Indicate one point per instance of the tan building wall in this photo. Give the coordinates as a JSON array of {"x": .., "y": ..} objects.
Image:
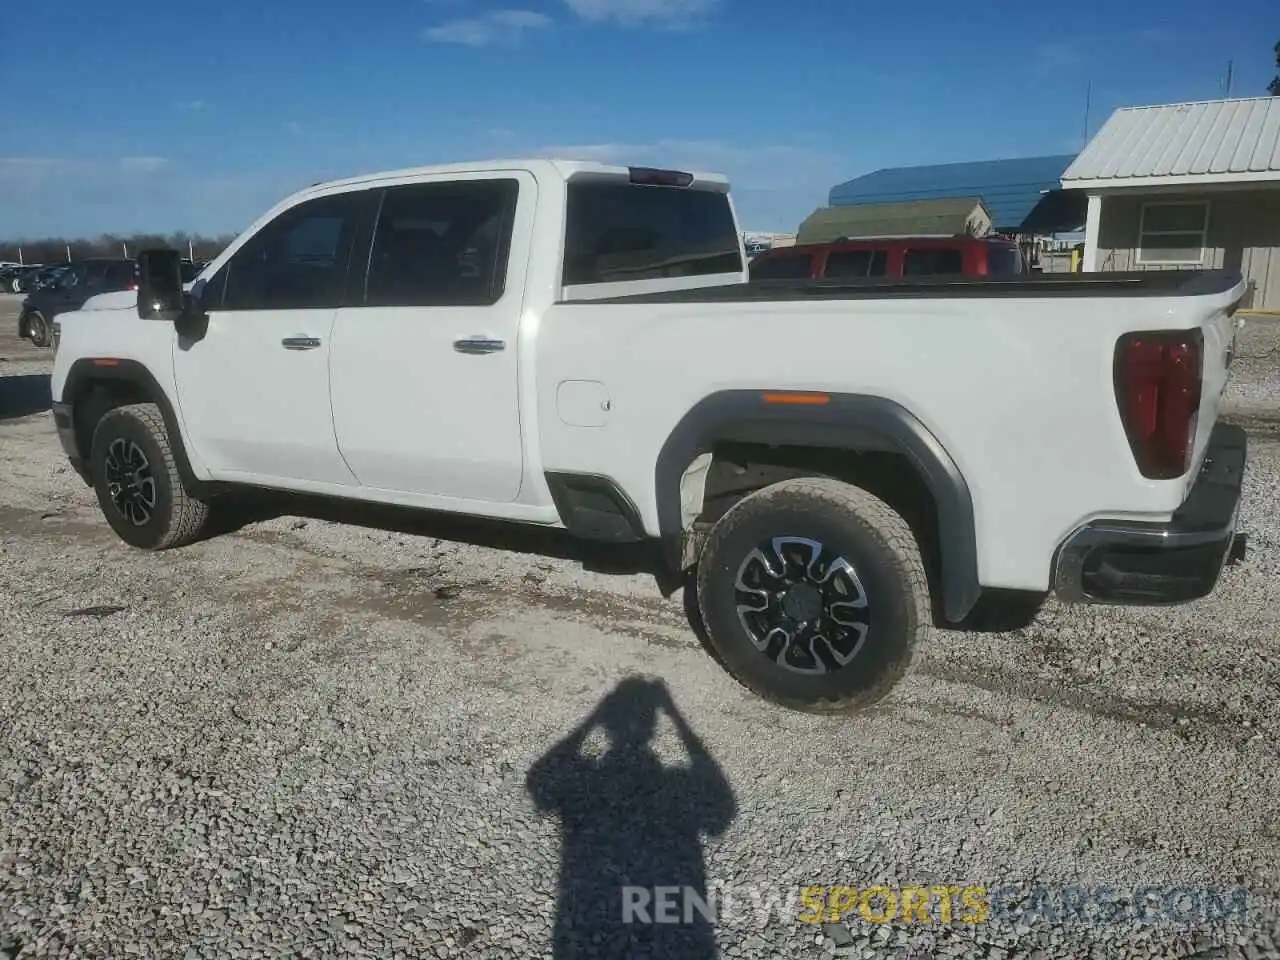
[{"x": 1242, "y": 233}]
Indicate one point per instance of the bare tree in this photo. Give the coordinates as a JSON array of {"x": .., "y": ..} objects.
[
  {"x": 1274, "y": 89},
  {"x": 50, "y": 250}
]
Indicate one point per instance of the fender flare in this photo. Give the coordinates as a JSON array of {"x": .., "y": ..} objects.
[
  {"x": 87, "y": 371},
  {"x": 840, "y": 422}
]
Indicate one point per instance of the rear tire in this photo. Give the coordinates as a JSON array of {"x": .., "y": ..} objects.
[
  {"x": 38, "y": 328},
  {"x": 136, "y": 478},
  {"x": 814, "y": 596}
]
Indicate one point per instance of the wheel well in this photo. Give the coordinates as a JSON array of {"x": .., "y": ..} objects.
[
  {"x": 93, "y": 398},
  {"x": 737, "y": 469}
]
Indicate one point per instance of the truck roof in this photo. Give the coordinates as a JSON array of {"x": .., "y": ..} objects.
[{"x": 557, "y": 167}]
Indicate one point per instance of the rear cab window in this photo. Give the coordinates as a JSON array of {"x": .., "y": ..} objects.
[
  {"x": 932, "y": 260},
  {"x": 782, "y": 266},
  {"x": 618, "y": 231},
  {"x": 1003, "y": 260},
  {"x": 851, "y": 264}
]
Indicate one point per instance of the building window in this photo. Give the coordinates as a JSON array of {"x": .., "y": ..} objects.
[{"x": 1173, "y": 233}]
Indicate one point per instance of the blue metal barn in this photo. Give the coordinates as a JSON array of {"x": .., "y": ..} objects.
[{"x": 1024, "y": 195}]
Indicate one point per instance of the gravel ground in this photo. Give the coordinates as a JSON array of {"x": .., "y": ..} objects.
[{"x": 308, "y": 738}]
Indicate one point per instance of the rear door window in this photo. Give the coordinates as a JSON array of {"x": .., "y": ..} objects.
[
  {"x": 1003, "y": 260},
  {"x": 617, "y": 232},
  {"x": 945, "y": 260},
  {"x": 782, "y": 266},
  {"x": 442, "y": 244},
  {"x": 120, "y": 276},
  {"x": 851, "y": 264}
]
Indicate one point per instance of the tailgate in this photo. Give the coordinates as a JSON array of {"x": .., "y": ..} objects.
[{"x": 1220, "y": 328}]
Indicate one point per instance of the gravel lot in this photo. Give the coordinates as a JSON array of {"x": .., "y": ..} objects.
[{"x": 310, "y": 738}]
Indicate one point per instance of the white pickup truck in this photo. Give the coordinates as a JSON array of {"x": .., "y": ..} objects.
[{"x": 833, "y": 464}]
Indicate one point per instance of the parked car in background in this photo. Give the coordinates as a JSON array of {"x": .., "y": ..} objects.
[
  {"x": 892, "y": 257},
  {"x": 11, "y": 275},
  {"x": 35, "y": 279},
  {"x": 15, "y": 276},
  {"x": 74, "y": 283}
]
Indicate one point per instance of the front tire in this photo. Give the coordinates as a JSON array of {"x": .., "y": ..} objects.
[
  {"x": 135, "y": 476},
  {"x": 814, "y": 596},
  {"x": 38, "y": 328}
]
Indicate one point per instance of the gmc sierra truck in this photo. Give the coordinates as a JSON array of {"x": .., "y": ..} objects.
[{"x": 831, "y": 464}]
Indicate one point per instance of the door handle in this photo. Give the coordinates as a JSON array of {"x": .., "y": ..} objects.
[
  {"x": 479, "y": 344},
  {"x": 300, "y": 343}
]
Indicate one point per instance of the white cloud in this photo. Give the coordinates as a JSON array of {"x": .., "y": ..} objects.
[
  {"x": 35, "y": 170},
  {"x": 17, "y": 165},
  {"x": 671, "y": 13},
  {"x": 143, "y": 164},
  {"x": 1057, "y": 57},
  {"x": 494, "y": 27}
]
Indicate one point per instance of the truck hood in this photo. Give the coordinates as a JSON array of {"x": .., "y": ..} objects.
[{"x": 117, "y": 300}]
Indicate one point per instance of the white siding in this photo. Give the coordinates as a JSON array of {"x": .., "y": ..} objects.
[{"x": 1243, "y": 234}]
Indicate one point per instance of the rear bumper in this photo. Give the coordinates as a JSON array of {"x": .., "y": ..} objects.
[
  {"x": 1128, "y": 562},
  {"x": 67, "y": 437}
]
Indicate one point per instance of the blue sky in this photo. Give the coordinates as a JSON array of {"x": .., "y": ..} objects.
[{"x": 150, "y": 115}]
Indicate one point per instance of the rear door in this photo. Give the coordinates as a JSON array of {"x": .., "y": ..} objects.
[
  {"x": 120, "y": 275},
  {"x": 1001, "y": 259},
  {"x": 425, "y": 376}
]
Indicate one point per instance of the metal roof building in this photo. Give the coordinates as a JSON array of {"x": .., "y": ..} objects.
[
  {"x": 1186, "y": 185},
  {"x": 914, "y": 218},
  {"x": 1023, "y": 195},
  {"x": 1219, "y": 141}
]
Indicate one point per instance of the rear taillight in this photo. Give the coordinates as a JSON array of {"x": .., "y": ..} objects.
[{"x": 1157, "y": 381}]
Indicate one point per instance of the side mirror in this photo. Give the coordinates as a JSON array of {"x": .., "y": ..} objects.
[{"x": 160, "y": 295}]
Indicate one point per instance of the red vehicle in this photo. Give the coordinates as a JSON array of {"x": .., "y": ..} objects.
[{"x": 891, "y": 257}]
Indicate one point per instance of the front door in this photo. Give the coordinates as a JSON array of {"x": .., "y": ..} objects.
[
  {"x": 425, "y": 375},
  {"x": 253, "y": 384},
  {"x": 67, "y": 293}
]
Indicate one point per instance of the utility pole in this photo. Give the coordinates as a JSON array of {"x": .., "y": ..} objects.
[
  {"x": 1088, "y": 101},
  {"x": 1227, "y": 84}
]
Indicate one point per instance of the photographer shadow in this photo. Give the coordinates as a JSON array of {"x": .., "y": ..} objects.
[{"x": 632, "y": 878}]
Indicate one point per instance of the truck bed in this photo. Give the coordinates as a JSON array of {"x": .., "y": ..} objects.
[{"x": 1140, "y": 283}]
